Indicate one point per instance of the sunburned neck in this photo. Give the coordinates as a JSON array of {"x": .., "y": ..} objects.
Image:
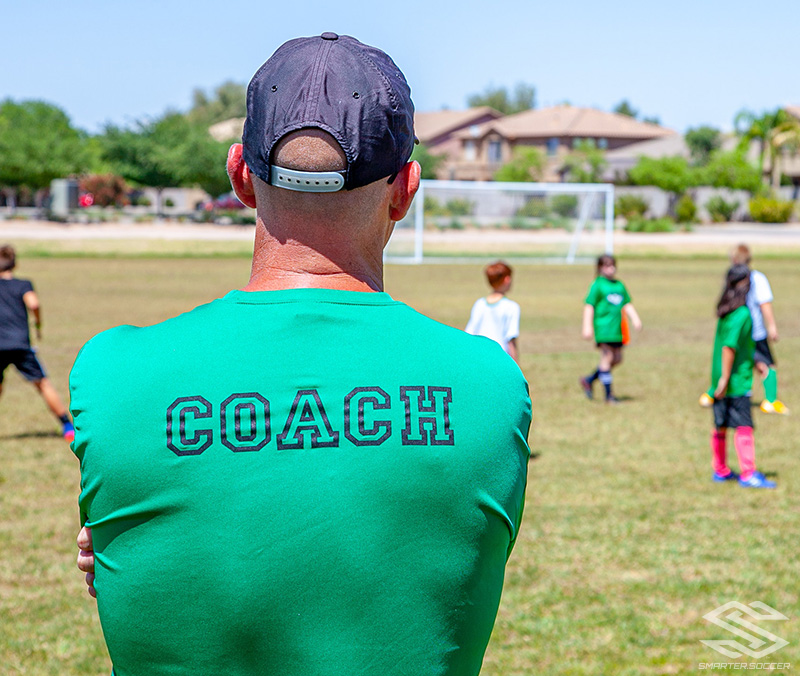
[{"x": 288, "y": 264}]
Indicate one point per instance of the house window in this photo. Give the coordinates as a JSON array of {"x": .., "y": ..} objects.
[
  {"x": 576, "y": 141},
  {"x": 495, "y": 152},
  {"x": 470, "y": 151},
  {"x": 602, "y": 143},
  {"x": 552, "y": 146}
]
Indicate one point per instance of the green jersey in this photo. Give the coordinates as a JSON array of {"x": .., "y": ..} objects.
[
  {"x": 306, "y": 482},
  {"x": 735, "y": 330},
  {"x": 607, "y": 297}
]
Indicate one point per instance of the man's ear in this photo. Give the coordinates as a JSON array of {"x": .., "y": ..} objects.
[
  {"x": 239, "y": 174},
  {"x": 404, "y": 187}
]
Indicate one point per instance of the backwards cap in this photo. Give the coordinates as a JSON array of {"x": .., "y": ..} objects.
[{"x": 337, "y": 84}]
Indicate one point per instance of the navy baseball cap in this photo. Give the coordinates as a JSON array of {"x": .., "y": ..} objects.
[{"x": 337, "y": 84}]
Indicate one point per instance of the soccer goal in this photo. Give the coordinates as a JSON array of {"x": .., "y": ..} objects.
[{"x": 460, "y": 221}]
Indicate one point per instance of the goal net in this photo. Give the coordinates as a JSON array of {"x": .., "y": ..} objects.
[{"x": 459, "y": 221}]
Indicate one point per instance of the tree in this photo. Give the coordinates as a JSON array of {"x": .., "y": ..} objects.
[
  {"x": 672, "y": 174},
  {"x": 783, "y": 138},
  {"x": 527, "y": 164},
  {"x": 585, "y": 164},
  {"x": 702, "y": 141},
  {"x": 168, "y": 152},
  {"x": 37, "y": 144},
  {"x": 752, "y": 127},
  {"x": 427, "y": 160},
  {"x": 499, "y": 98},
  {"x": 625, "y": 108},
  {"x": 227, "y": 101},
  {"x": 730, "y": 170}
]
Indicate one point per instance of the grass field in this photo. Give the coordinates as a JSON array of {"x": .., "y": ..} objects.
[{"x": 625, "y": 544}]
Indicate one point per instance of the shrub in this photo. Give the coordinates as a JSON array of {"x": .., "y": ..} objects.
[
  {"x": 720, "y": 210},
  {"x": 685, "y": 210},
  {"x": 631, "y": 206},
  {"x": 565, "y": 205},
  {"x": 650, "y": 225},
  {"x": 169, "y": 202},
  {"x": 535, "y": 207},
  {"x": 432, "y": 207},
  {"x": 769, "y": 210},
  {"x": 106, "y": 189},
  {"x": 459, "y": 207}
]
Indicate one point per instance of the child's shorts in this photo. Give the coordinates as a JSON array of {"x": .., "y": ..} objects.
[
  {"x": 762, "y": 353},
  {"x": 25, "y": 361},
  {"x": 732, "y": 412}
]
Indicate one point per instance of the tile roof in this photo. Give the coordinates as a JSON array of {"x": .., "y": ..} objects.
[
  {"x": 570, "y": 121},
  {"x": 430, "y": 125}
]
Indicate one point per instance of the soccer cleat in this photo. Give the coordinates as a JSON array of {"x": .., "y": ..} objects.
[
  {"x": 705, "y": 400},
  {"x": 69, "y": 432},
  {"x": 587, "y": 388},
  {"x": 727, "y": 477},
  {"x": 612, "y": 400},
  {"x": 776, "y": 406},
  {"x": 756, "y": 480}
]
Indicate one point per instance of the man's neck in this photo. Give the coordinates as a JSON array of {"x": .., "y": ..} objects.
[{"x": 287, "y": 264}]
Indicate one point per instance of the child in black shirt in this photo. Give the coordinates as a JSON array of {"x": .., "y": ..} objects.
[{"x": 17, "y": 298}]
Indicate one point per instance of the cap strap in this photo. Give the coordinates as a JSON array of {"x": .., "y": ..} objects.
[{"x": 307, "y": 181}]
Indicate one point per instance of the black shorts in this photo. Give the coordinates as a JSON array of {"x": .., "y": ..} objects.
[
  {"x": 732, "y": 412},
  {"x": 610, "y": 344},
  {"x": 25, "y": 361},
  {"x": 763, "y": 354}
]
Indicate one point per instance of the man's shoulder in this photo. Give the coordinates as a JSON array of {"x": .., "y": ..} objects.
[{"x": 127, "y": 336}]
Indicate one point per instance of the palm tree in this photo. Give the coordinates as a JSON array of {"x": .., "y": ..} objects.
[
  {"x": 783, "y": 138},
  {"x": 752, "y": 127}
]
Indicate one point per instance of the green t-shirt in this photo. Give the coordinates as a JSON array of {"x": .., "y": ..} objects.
[
  {"x": 608, "y": 297},
  {"x": 735, "y": 330},
  {"x": 306, "y": 482}
]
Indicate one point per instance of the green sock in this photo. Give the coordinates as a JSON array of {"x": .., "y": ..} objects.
[{"x": 771, "y": 385}]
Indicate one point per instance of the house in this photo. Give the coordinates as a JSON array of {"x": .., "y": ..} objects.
[{"x": 475, "y": 152}]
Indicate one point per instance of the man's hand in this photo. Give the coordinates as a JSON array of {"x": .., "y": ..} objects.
[{"x": 86, "y": 558}]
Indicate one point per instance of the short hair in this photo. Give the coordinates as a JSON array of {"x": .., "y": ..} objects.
[
  {"x": 741, "y": 255},
  {"x": 8, "y": 258},
  {"x": 496, "y": 273},
  {"x": 605, "y": 259}
]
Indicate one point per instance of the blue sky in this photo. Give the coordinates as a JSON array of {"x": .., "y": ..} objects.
[{"x": 689, "y": 63}]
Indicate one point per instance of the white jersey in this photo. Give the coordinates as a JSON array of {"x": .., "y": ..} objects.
[
  {"x": 760, "y": 293},
  {"x": 498, "y": 321}
]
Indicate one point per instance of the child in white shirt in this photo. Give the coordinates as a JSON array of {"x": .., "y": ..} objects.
[{"x": 495, "y": 316}]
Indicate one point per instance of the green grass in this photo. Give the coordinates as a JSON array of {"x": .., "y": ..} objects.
[{"x": 625, "y": 544}]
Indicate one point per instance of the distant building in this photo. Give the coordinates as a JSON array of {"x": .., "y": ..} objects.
[{"x": 476, "y": 150}]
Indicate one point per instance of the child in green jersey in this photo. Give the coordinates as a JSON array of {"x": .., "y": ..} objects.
[
  {"x": 732, "y": 382},
  {"x": 602, "y": 319}
]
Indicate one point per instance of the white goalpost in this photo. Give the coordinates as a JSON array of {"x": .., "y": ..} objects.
[{"x": 459, "y": 221}]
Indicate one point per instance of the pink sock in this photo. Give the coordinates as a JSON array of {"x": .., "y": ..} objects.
[
  {"x": 746, "y": 450},
  {"x": 718, "y": 453}
]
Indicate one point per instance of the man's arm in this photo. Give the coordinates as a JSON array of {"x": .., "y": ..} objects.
[
  {"x": 769, "y": 321},
  {"x": 728, "y": 353},
  {"x": 86, "y": 558},
  {"x": 31, "y": 301}
]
